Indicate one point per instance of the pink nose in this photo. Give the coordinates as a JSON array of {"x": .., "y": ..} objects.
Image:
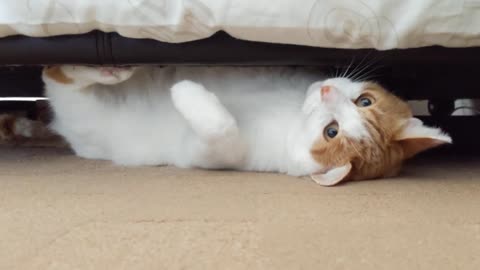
[{"x": 325, "y": 90}]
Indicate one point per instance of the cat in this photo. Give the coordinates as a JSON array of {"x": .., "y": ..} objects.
[{"x": 278, "y": 119}]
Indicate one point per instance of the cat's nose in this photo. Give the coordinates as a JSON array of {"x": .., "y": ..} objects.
[
  {"x": 326, "y": 91},
  {"x": 331, "y": 94}
]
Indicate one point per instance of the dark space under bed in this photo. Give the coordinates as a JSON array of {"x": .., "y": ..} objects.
[{"x": 437, "y": 74}]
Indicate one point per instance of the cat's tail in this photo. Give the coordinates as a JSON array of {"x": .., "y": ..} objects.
[{"x": 14, "y": 128}]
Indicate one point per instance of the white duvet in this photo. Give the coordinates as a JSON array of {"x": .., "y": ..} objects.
[{"x": 381, "y": 24}]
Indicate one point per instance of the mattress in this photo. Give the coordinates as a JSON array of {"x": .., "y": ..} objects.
[{"x": 380, "y": 24}]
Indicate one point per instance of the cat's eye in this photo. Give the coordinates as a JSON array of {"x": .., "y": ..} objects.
[
  {"x": 364, "y": 101},
  {"x": 331, "y": 131}
]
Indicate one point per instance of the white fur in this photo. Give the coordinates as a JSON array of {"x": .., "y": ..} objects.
[
  {"x": 256, "y": 119},
  {"x": 23, "y": 127}
]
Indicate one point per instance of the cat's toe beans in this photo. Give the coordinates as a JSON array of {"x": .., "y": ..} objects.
[
  {"x": 111, "y": 75},
  {"x": 112, "y": 71},
  {"x": 102, "y": 75},
  {"x": 106, "y": 72}
]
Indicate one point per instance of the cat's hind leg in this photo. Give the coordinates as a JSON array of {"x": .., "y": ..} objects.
[
  {"x": 83, "y": 76},
  {"x": 80, "y": 115},
  {"x": 217, "y": 142},
  {"x": 71, "y": 89}
]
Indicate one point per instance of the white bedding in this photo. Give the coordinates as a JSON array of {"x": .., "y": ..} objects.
[{"x": 381, "y": 24}]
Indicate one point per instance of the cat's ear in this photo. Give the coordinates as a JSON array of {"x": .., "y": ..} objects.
[
  {"x": 333, "y": 176},
  {"x": 415, "y": 137}
]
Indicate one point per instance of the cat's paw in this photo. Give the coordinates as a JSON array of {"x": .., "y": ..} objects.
[
  {"x": 203, "y": 110},
  {"x": 14, "y": 128},
  {"x": 101, "y": 75},
  {"x": 113, "y": 75},
  {"x": 186, "y": 92}
]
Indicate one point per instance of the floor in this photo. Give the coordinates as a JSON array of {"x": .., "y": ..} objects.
[{"x": 61, "y": 212}]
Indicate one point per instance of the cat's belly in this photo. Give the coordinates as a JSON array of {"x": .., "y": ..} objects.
[
  {"x": 126, "y": 138},
  {"x": 168, "y": 141}
]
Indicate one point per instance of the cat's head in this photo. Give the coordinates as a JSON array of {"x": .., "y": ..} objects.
[{"x": 365, "y": 131}]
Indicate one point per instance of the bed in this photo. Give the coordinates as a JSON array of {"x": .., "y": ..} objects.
[{"x": 349, "y": 24}]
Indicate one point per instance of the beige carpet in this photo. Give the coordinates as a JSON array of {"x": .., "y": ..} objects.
[{"x": 61, "y": 212}]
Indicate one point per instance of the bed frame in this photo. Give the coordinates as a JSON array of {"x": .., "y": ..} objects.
[{"x": 437, "y": 74}]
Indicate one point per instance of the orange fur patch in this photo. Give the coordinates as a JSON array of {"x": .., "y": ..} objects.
[
  {"x": 56, "y": 73},
  {"x": 381, "y": 156}
]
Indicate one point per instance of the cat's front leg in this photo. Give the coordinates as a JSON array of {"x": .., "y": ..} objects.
[
  {"x": 216, "y": 142},
  {"x": 83, "y": 76},
  {"x": 203, "y": 110}
]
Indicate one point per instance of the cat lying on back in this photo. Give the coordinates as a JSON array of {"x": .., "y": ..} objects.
[{"x": 283, "y": 120}]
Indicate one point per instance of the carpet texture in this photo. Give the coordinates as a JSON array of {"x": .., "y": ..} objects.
[{"x": 61, "y": 212}]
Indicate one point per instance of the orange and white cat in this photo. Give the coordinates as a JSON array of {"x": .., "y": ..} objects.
[{"x": 283, "y": 120}]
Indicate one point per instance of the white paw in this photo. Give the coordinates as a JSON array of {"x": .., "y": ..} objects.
[
  {"x": 188, "y": 90},
  {"x": 102, "y": 75},
  {"x": 202, "y": 109}
]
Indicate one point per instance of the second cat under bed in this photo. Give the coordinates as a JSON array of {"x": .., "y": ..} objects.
[{"x": 286, "y": 120}]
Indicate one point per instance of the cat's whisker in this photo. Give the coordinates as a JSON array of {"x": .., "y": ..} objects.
[
  {"x": 336, "y": 72},
  {"x": 372, "y": 61},
  {"x": 332, "y": 72},
  {"x": 369, "y": 77},
  {"x": 349, "y": 66},
  {"x": 359, "y": 154},
  {"x": 368, "y": 65},
  {"x": 353, "y": 70},
  {"x": 359, "y": 72},
  {"x": 359, "y": 66},
  {"x": 370, "y": 74}
]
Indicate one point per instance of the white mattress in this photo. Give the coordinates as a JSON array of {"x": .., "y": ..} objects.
[{"x": 381, "y": 24}]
